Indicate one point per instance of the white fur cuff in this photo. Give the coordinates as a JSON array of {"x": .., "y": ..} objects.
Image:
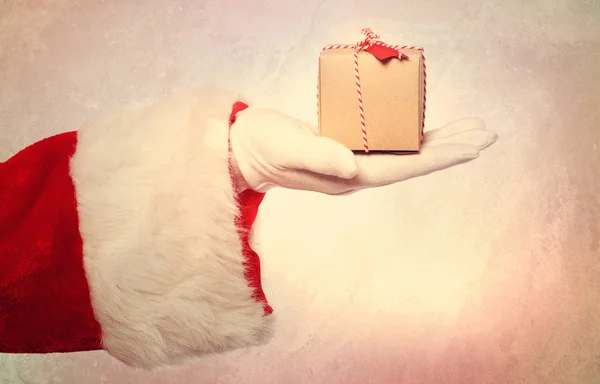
[{"x": 161, "y": 249}]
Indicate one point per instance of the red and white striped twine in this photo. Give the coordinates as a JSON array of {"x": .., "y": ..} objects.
[{"x": 371, "y": 39}]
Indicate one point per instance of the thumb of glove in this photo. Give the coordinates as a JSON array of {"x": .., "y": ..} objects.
[{"x": 323, "y": 156}]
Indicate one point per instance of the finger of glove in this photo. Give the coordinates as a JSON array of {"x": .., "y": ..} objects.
[
  {"x": 321, "y": 155},
  {"x": 379, "y": 170},
  {"x": 305, "y": 180},
  {"x": 387, "y": 169},
  {"x": 457, "y": 127},
  {"x": 475, "y": 137}
]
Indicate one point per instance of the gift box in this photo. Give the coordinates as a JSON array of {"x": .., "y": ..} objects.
[{"x": 371, "y": 95}]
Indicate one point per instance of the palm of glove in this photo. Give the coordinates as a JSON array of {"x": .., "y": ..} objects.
[{"x": 272, "y": 149}]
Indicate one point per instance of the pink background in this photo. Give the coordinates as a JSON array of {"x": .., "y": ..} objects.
[{"x": 486, "y": 273}]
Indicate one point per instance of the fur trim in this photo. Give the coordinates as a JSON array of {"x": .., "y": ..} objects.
[{"x": 161, "y": 250}]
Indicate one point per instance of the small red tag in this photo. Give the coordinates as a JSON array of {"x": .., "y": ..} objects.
[{"x": 384, "y": 53}]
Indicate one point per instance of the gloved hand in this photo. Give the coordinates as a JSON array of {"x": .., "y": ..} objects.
[{"x": 272, "y": 149}]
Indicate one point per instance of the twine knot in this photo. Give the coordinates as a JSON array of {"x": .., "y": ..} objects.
[{"x": 370, "y": 39}]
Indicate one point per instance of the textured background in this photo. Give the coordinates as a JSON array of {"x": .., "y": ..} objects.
[{"x": 486, "y": 273}]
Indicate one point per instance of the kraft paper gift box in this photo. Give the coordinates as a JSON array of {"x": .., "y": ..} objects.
[{"x": 391, "y": 84}]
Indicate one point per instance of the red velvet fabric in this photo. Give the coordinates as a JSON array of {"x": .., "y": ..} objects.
[
  {"x": 249, "y": 201},
  {"x": 44, "y": 296}
]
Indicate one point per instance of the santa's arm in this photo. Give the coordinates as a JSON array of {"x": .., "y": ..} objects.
[{"x": 130, "y": 236}]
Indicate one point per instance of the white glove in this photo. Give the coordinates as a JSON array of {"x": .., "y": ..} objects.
[{"x": 272, "y": 149}]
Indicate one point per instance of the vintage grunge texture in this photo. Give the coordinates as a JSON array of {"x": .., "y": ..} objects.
[{"x": 486, "y": 273}]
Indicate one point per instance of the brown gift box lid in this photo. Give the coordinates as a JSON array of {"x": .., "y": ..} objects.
[{"x": 393, "y": 100}]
